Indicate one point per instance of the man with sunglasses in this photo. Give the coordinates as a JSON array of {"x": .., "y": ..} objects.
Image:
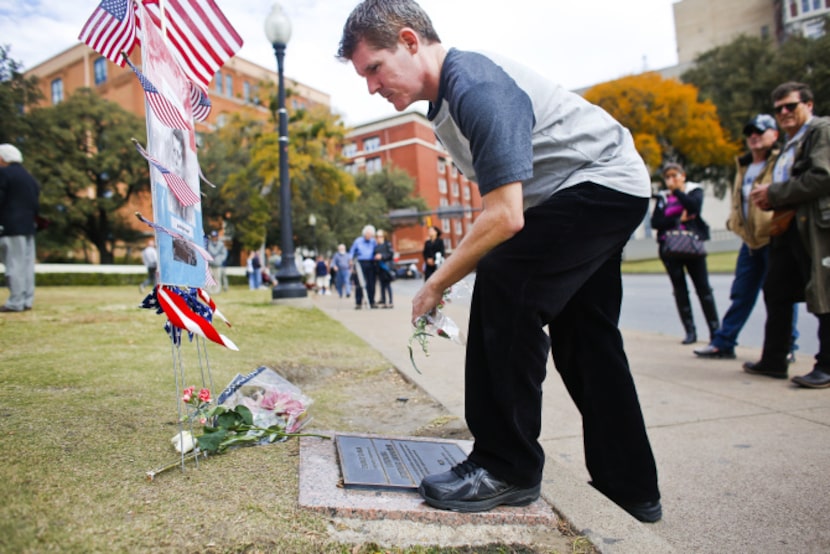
[
  {"x": 799, "y": 267},
  {"x": 752, "y": 224}
]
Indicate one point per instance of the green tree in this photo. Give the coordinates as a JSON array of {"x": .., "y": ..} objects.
[
  {"x": 669, "y": 122},
  {"x": 17, "y": 93},
  {"x": 738, "y": 77},
  {"x": 80, "y": 151}
]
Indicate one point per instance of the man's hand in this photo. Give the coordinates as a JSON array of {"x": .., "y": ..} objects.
[
  {"x": 760, "y": 197},
  {"x": 425, "y": 301}
]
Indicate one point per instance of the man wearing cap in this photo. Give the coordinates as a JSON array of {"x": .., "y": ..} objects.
[
  {"x": 216, "y": 248},
  {"x": 19, "y": 205},
  {"x": 799, "y": 265},
  {"x": 752, "y": 224}
]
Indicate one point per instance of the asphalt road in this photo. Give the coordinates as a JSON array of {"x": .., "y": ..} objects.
[{"x": 648, "y": 306}]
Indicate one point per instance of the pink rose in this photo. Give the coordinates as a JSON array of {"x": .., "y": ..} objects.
[
  {"x": 187, "y": 394},
  {"x": 204, "y": 395}
]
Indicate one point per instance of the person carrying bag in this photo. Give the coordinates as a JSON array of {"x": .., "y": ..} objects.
[{"x": 681, "y": 232}]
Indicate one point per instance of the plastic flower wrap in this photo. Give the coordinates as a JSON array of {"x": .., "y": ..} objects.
[{"x": 437, "y": 323}]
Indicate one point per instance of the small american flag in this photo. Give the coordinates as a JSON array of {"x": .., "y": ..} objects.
[
  {"x": 201, "y": 37},
  {"x": 200, "y": 102},
  {"x": 178, "y": 186},
  {"x": 165, "y": 111},
  {"x": 111, "y": 29}
]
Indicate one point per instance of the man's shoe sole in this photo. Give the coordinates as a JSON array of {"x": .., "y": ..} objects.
[
  {"x": 510, "y": 497},
  {"x": 716, "y": 355},
  {"x": 773, "y": 374}
]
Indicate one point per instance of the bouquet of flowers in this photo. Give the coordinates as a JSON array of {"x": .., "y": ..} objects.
[{"x": 259, "y": 408}]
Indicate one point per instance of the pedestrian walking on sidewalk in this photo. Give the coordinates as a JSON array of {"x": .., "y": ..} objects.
[
  {"x": 150, "y": 259},
  {"x": 563, "y": 190},
  {"x": 800, "y": 246},
  {"x": 752, "y": 225}
]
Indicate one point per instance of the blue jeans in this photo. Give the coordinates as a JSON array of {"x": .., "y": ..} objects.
[{"x": 750, "y": 273}]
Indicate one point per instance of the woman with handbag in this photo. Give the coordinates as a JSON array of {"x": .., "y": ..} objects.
[{"x": 680, "y": 234}]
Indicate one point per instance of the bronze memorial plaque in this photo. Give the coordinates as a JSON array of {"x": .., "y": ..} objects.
[{"x": 395, "y": 463}]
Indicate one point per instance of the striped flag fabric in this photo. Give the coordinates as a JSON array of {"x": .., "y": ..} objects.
[
  {"x": 111, "y": 29},
  {"x": 165, "y": 111},
  {"x": 201, "y": 37},
  {"x": 178, "y": 186},
  {"x": 180, "y": 315},
  {"x": 200, "y": 102}
]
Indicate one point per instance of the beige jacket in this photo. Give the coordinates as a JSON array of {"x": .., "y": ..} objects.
[{"x": 753, "y": 229}]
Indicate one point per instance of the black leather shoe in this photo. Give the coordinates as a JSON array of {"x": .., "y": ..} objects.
[
  {"x": 710, "y": 351},
  {"x": 758, "y": 368},
  {"x": 690, "y": 338},
  {"x": 647, "y": 512},
  {"x": 816, "y": 379},
  {"x": 470, "y": 488}
]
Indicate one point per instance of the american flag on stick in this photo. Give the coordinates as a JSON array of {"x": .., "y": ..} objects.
[
  {"x": 178, "y": 186},
  {"x": 111, "y": 29},
  {"x": 165, "y": 111},
  {"x": 200, "y": 102},
  {"x": 201, "y": 37}
]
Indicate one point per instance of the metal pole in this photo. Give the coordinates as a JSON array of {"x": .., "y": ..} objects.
[{"x": 289, "y": 281}]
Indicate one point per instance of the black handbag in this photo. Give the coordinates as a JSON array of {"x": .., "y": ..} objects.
[{"x": 681, "y": 245}]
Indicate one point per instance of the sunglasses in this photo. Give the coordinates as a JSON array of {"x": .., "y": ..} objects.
[
  {"x": 791, "y": 106},
  {"x": 754, "y": 131}
]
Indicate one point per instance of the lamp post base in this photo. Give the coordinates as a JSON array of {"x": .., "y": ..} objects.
[{"x": 289, "y": 288}]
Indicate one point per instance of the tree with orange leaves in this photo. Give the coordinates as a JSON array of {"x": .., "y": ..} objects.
[{"x": 669, "y": 123}]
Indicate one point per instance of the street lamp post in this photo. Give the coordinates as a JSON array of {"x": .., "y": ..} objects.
[{"x": 289, "y": 281}]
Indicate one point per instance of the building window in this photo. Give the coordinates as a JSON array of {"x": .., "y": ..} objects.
[
  {"x": 442, "y": 185},
  {"x": 57, "y": 91},
  {"x": 459, "y": 227},
  {"x": 373, "y": 165},
  {"x": 100, "y": 70},
  {"x": 454, "y": 170},
  {"x": 442, "y": 165},
  {"x": 217, "y": 80},
  {"x": 468, "y": 211},
  {"x": 371, "y": 144},
  {"x": 246, "y": 91},
  {"x": 455, "y": 189},
  {"x": 445, "y": 225},
  {"x": 350, "y": 150},
  {"x": 466, "y": 192},
  {"x": 221, "y": 120},
  {"x": 228, "y": 84}
]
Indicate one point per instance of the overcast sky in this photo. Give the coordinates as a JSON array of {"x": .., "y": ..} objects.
[{"x": 575, "y": 43}]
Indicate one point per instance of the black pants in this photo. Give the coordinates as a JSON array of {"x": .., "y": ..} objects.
[
  {"x": 787, "y": 277},
  {"x": 368, "y": 268},
  {"x": 562, "y": 270}
]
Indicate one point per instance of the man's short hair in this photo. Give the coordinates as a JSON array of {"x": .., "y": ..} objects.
[
  {"x": 378, "y": 22},
  {"x": 10, "y": 154},
  {"x": 783, "y": 90},
  {"x": 673, "y": 165}
]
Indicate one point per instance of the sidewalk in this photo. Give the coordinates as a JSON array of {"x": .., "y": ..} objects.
[{"x": 743, "y": 460}]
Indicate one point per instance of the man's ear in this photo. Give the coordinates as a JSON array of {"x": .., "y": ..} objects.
[{"x": 409, "y": 39}]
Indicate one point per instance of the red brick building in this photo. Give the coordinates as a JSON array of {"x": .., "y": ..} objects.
[{"x": 406, "y": 141}]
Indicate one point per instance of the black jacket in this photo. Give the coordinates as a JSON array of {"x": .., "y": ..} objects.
[
  {"x": 19, "y": 205},
  {"x": 692, "y": 202}
]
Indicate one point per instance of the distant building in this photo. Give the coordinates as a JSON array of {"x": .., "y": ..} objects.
[
  {"x": 407, "y": 141},
  {"x": 701, "y": 25}
]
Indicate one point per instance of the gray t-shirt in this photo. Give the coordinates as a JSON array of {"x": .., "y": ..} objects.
[{"x": 502, "y": 123}]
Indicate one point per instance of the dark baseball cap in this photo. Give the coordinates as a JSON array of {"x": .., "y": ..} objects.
[{"x": 762, "y": 122}]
